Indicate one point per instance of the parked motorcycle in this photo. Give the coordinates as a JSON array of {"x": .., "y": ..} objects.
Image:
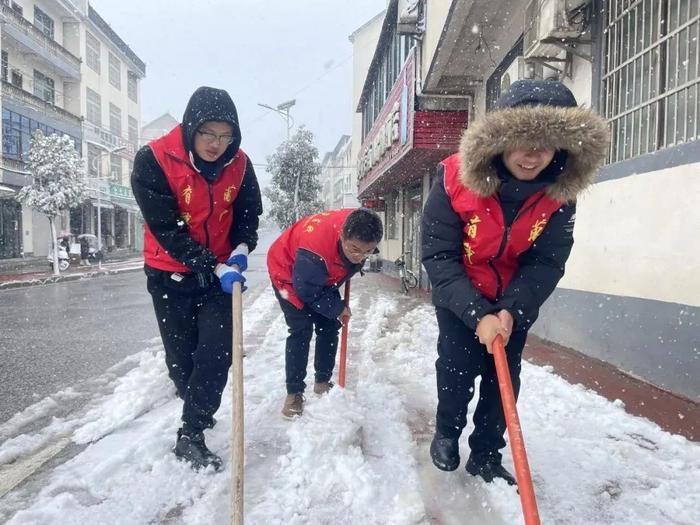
[{"x": 63, "y": 259}]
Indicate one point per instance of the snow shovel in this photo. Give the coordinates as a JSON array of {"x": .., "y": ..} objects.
[
  {"x": 515, "y": 435},
  {"x": 237, "y": 447},
  {"x": 344, "y": 339}
]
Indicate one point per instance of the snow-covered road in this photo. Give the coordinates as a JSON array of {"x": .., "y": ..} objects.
[{"x": 357, "y": 456}]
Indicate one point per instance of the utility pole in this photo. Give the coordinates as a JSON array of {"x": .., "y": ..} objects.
[{"x": 96, "y": 164}]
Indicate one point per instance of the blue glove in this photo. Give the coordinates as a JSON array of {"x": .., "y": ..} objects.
[
  {"x": 239, "y": 260},
  {"x": 239, "y": 257},
  {"x": 228, "y": 276}
]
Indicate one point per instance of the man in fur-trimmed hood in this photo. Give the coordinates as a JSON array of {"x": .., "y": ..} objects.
[{"x": 497, "y": 231}]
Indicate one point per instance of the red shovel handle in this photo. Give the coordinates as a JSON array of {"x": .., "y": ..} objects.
[
  {"x": 344, "y": 339},
  {"x": 517, "y": 443}
]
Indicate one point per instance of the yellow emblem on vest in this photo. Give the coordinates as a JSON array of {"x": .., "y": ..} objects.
[
  {"x": 227, "y": 193},
  {"x": 187, "y": 194},
  {"x": 537, "y": 229},
  {"x": 468, "y": 251},
  {"x": 221, "y": 215},
  {"x": 309, "y": 228},
  {"x": 471, "y": 231},
  {"x": 186, "y": 217}
]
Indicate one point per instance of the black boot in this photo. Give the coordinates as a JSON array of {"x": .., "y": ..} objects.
[
  {"x": 191, "y": 448},
  {"x": 489, "y": 470},
  {"x": 445, "y": 452}
]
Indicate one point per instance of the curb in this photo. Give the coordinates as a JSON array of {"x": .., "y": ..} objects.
[{"x": 65, "y": 278}]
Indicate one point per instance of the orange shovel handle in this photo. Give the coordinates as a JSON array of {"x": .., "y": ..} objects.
[{"x": 517, "y": 443}]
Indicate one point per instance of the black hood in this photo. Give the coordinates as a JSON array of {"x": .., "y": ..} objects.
[{"x": 207, "y": 104}]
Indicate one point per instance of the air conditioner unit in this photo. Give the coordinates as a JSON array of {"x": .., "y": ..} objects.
[
  {"x": 520, "y": 69},
  {"x": 546, "y": 20}
]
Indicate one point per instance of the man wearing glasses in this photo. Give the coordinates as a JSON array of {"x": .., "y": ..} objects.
[
  {"x": 307, "y": 264},
  {"x": 200, "y": 200}
]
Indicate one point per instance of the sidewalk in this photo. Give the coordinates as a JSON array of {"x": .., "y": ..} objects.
[
  {"x": 34, "y": 271},
  {"x": 675, "y": 414}
]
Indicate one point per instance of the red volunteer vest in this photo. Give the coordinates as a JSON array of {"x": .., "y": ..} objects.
[
  {"x": 490, "y": 250},
  {"x": 206, "y": 209},
  {"x": 318, "y": 234}
]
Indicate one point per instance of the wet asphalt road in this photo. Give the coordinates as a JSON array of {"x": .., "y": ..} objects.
[{"x": 53, "y": 336}]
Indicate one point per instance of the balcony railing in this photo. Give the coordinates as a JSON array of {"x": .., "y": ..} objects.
[
  {"x": 52, "y": 47},
  {"x": 94, "y": 133},
  {"x": 39, "y": 104}
]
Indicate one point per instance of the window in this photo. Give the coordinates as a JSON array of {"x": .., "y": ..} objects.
[
  {"x": 16, "y": 78},
  {"x": 651, "y": 76},
  {"x": 94, "y": 107},
  {"x": 132, "y": 86},
  {"x": 115, "y": 120},
  {"x": 133, "y": 131},
  {"x": 92, "y": 52},
  {"x": 384, "y": 78},
  {"x": 5, "y": 66},
  {"x": 115, "y": 71},
  {"x": 16, "y": 134},
  {"x": 94, "y": 158},
  {"x": 44, "y": 87},
  {"x": 17, "y": 8},
  {"x": 43, "y": 22},
  {"x": 115, "y": 167}
]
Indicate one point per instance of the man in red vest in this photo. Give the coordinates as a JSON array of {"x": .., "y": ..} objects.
[
  {"x": 308, "y": 263},
  {"x": 497, "y": 231},
  {"x": 200, "y": 200}
]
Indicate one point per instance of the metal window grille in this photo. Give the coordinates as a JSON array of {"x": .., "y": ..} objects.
[
  {"x": 651, "y": 80},
  {"x": 94, "y": 107},
  {"x": 115, "y": 120},
  {"x": 43, "y": 22},
  {"x": 131, "y": 86},
  {"x": 92, "y": 52},
  {"x": 115, "y": 71}
]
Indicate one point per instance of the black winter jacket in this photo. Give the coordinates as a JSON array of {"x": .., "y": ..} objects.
[
  {"x": 532, "y": 114},
  {"x": 159, "y": 206}
]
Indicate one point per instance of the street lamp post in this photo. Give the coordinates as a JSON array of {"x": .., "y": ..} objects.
[
  {"x": 283, "y": 111},
  {"x": 98, "y": 179}
]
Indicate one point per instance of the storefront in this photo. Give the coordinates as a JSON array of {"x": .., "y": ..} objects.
[{"x": 399, "y": 157}]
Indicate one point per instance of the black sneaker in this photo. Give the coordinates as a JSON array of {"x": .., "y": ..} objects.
[
  {"x": 445, "y": 452},
  {"x": 191, "y": 448},
  {"x": 489, "y": 470}
]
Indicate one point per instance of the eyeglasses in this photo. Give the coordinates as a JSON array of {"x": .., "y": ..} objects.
[
  {"x": 356, "y": 251},
  {"x": 210, "y": 138}
]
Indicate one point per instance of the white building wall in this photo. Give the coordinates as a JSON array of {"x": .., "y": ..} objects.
[{"x": 637, "y": 237}]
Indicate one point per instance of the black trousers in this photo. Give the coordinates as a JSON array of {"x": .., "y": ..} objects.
[
  {"x": 301, "y": 325},
  {"x": 195, "y": 326},
  {"x": 461, "y": 359}
]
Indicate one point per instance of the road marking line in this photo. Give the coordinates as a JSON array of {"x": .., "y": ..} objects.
[{"x": 15, "y": 473}]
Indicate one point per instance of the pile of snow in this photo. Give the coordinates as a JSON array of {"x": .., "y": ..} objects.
[{"x": 358, "y": 455}]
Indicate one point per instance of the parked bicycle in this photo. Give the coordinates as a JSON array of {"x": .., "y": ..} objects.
[{"x": 408, "y": 278}]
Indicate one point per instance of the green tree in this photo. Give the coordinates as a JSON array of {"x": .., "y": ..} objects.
[{"x": 295, "y": 188}]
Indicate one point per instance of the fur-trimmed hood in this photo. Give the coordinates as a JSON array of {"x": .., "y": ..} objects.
[{"x": 579, "y": 131}]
